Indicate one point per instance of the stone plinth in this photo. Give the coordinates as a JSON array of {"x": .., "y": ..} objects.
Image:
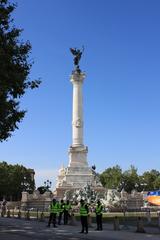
[
  {"x": 36, "y": 200},
  {"x": 78, "y": 156}
]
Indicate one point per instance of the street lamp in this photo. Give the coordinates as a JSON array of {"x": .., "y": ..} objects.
[
  {"x": 47, "y": 184},
  {"x": 124, "y": 208},
  {"x": 24, "y": 184},
  {"x": 136, "y": 186}
]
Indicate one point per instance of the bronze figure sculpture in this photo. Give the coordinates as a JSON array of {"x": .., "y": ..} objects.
[{"x": 77, "y": 53}]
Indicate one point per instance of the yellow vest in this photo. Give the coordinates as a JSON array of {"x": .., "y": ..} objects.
[{"x": 83, "y": 210}]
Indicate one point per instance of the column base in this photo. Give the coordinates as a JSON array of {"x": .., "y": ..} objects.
[{"x": 78, "y": 156}]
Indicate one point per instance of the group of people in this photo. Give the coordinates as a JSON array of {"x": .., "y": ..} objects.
[
  {"x": 63, "y": 209},
  {"x": 59, "y": 209}
]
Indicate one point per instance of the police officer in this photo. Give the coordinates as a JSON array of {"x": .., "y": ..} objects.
[
  {"x": 84, "y": 216},
  {"x": 67, "y": 208},
  {"x": 99, "y": 210},
  {"x": 61, "y": 211},
  {"x": 53, "y": 213}
]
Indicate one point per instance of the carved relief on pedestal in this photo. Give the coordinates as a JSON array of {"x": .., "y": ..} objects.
[{"x": 78, "y": 123}]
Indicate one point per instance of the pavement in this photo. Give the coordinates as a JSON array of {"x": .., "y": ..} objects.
[{"x": 20, "y": 229}]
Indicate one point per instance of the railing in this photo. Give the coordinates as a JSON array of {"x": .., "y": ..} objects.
[
  {"x": 24, "y": 214},
  {"x": 124, "y": 218}
]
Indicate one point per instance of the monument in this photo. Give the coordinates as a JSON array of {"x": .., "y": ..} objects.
[{"x": 78, "y": 174}]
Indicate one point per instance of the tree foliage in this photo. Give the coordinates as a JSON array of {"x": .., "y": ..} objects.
[
  {"x": 111, "y": 177},
  {"x": 151, "y": 180},
  {"x": 130, "y": 179},
  {"x": 14, "y": 70},
  {"x": 13, "y": 180},
  {"x": 43, "y": 189}
]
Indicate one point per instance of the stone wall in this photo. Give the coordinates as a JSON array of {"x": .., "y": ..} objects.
[{"x": 36, "y": 200}]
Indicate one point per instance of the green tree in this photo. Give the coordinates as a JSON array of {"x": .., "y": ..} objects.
[
  {"x": 111, "y": 177},
  {"x": 157, "y": 183},
  {"x": 13, "y": 180},
  {"x": 43, "y": 189},
  {"x": 130, "y": 179},
  {"x": 115, "y": 178},
  {"x": 14, "y": 70},
  {"x": 4, "y": 179},
  {"x": 151, "y": 180}
]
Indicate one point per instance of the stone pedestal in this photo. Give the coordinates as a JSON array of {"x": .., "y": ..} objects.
[{"x": 36, "y": 200}]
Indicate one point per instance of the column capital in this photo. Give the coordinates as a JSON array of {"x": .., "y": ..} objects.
[{"x": 77, "y": 76}]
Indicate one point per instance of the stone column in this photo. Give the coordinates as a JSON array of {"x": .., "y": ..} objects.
[
  {"x": 77, "y": 114},
  {"x": 77, "y": 151}
]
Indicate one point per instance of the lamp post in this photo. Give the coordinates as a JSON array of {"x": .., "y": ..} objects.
[
  {"x": 121, "y": 186},
  {"x": 24, "y": 184},
  {"x": 47, "y": 185},
  {"x": 124, "y": 208},
  {"x": 136, "y": 186}
]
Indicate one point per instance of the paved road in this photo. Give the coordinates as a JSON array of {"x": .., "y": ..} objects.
[{"x": 15, "y": 229}]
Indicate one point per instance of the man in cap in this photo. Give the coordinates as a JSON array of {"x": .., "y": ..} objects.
[
  {"x": 99, "y": 210},
  {"x": 54, "y": 208},
  {"x": 84, "y": 216}
]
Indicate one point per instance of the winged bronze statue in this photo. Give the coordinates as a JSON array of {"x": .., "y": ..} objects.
[{"x": 77, "y": 53}]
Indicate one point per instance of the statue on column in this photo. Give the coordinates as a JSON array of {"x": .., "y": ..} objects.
[{"x": 77, "y": 53}]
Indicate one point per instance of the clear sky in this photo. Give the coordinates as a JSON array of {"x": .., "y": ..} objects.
[{"x": 121, "y": 90}]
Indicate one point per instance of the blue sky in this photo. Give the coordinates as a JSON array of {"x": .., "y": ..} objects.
[{"x": 121, "y": 90}]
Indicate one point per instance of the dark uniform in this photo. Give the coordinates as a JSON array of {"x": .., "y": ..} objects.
[
  {"x": 67, "y": 208},
  {"x": 84, "y": 216},
  {"x": 61, "y": 211},
  {"x": 99, "y": 210},
  {"x": 53, "y": 213}
]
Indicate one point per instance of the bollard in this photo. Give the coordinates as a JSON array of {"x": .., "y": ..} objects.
[
  {"x": 13, "y": 213},
  {"x": 72, "y": 220},
  {"x": 42, "y": 217},
  {"x": 28, "y": 215},
  {"x": 125, "y": 226},
  {"x": 3, "y": 210},
  {"x": 37, "y": 213},
  {"x": 140, "y": 228},
  {"x": 148, "y": 215},
  {"x": 19, "y": 214},
  {"x": 89, "y": 221},
  {"x": 116, "y": 224},
  {"x": 8, "y": 214},
  {"x": 158, "y": 214}
]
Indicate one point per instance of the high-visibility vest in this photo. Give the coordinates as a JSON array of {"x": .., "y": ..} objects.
[
  {"x": 83, "y": 210},
  {"x": 99, "y": 209},
  {"x": 67, "y": 207},
  {"x": 54, "y": 208},
  {"x": 61, "y": 207}
]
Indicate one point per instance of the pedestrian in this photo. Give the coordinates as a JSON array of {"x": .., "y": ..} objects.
[
  {"x": 61, "y": 211},
  {"x": 53, "y": 213},
  {"x": 67, "y": 208},
  {"x": 84, "y": 216},
  {"x": 3, "y": 208},
  {"x": 99, "y": 211}
]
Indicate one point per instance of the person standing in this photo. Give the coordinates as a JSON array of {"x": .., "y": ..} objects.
[
  {"x": 53, "y": 213},
  {"x": 61, "y": 211},
  {"x": 67, "y": 208},
  {"x": 99, "y": 210},
  {"x": 84, "y": 216}
]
